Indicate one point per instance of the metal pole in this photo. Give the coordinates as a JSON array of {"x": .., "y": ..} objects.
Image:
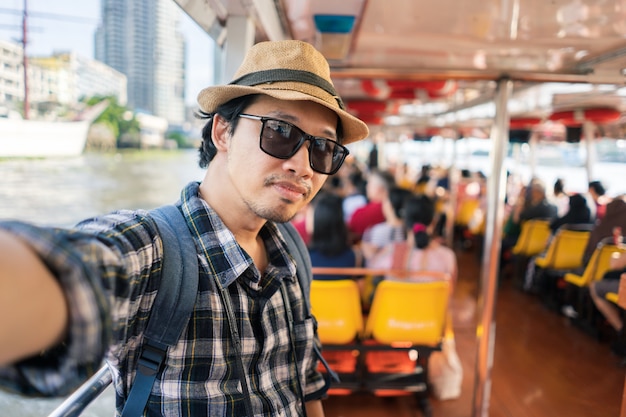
[
  {"x": 75, "y": 404},
  {"x": 453, "y": 182},
  {"x": 589, "y": 131},
  {"x": 496, "y": 188},
  {"x": 25, "y": 59}
]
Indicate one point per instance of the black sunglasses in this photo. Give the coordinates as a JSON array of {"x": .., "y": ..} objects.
[{"x": 282, "y": 140}]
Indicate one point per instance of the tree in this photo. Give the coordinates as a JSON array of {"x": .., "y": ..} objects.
[{"x": 119, "y": 119}]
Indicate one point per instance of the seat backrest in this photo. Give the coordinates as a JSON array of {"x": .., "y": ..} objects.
[
  {"x": 408, "y": 312},
  {"x": 604, "y": 253},
  {"x": 533, "y": 238},
  {"x": 565, "y": 250},
  {"x": 466, "y": 211},
  {"x": 336, "y": 306}
]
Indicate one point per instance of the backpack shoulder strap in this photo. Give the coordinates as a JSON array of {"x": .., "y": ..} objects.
[
  {"x": 300, "y": 253},
  {"x": 172, "y": 307}
]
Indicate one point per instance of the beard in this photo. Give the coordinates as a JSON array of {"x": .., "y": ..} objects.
[{"x": 282, "y": 210}]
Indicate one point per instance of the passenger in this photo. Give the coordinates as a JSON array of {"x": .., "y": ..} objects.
[
  {"x": 594, "y": 196},
  {"x": 531, "y": 204},
  {"x": 419, "y": 252},
  {"x": 70, "y": 298},
  {"x": 422, "y": 184},
  {"x": 578, "y": 213},
  {"x": 613, "y": 315},
  {"x": 392, "y": 229},
  {"x": 378, "y": 185},
  {"x": 614, "y": 216},
  {"x": 560, "y": 198},
  {"x": 329, "y": 245},
  {"x": 353, "y": 194}
]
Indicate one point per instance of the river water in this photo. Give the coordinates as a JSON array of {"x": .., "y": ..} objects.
[{"x": 61, "y": 192}]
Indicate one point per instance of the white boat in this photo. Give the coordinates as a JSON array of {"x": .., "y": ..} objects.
[{"x": 39, "y": 138}]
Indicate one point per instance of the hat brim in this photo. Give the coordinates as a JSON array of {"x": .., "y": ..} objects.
[{"x": 211, "y": 98}]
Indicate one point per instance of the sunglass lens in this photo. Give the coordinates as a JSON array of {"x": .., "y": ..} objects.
[
  {"x": 324, "y": 155},
  {"x": 279, "y": 139}
]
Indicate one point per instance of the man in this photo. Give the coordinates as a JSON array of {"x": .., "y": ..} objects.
[
  {"x": 377, "y": 188},
  {"x": 69, "y": 298}
]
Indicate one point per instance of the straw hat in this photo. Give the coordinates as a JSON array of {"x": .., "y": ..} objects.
[{"x": 286, "y": 70}]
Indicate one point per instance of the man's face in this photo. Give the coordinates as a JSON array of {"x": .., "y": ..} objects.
[{"x": 272, "y": 188}]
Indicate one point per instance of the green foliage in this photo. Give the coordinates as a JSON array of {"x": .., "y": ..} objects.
[
  {"x": 121, "y": 120},
  {"x": 180, "y": 138}
]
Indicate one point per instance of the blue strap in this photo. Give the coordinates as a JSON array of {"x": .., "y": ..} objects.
[
  {"x": 300, "y": 254},
  {"x": 172, "y": 307}
]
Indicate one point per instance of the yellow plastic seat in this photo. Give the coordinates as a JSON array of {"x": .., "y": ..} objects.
[
  {"x": 336, "y": 306},
  {"x": 596, "y": 267},
  {"x": 466, "y": 211},
  {"x": 533, "y": 238},
  {"x": 565, "y": 250},
  {"x": 612, "y": 297},
  {"x": 408, "y": 312}
]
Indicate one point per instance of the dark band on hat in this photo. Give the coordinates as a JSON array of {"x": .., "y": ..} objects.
[{"x": 282, "y": 74}]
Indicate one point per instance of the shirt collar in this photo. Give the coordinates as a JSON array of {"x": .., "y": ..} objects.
[{"x": 223, "y": 254}]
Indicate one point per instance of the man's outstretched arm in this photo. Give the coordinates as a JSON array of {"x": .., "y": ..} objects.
[{"x": 33, "y": 310}]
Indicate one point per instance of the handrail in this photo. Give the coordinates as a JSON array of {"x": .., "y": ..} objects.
[
  {"x": 358, "y": 271},
  {"x": 76, "y": 403}
]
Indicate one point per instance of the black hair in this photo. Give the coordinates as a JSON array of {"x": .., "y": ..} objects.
[
  {"x": 330, "y": 233},
  {"x": 397, "y": 197},
  {"x": 419, "y": 210},
  {"x": 356, "y": 178},
  {"x": 597, "y": 187},
  {"x": 230, "y": 112},
  {"x": 558, "y": 187}
]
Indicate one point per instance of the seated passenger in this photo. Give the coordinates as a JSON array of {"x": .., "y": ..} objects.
[
  {"x": 329, "y": 245},
  {"x": 614, "y": 216},
  {"x": 531, "y": 204},
  {"x": 419, "y": 252},
  {"x": 612, "y": 314},
  {"x": 392, "y": 229},
  {"x": 595, "y": 196},
  {"x": 377, "y": 187},
  {"x": 578, "y": 212}
]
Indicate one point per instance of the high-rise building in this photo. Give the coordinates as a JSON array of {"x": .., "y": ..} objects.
[{"x": 140, "y": 38}]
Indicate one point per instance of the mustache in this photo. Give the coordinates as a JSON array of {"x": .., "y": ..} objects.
[{"x": 299, "y": 183}]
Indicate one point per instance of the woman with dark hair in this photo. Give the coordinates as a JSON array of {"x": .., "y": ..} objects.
[
  {"x": 578, "y": 213},
  {"x": 392, "y": 229},
  {"x": 560, "y": 198},
  {"x": 419, "y": 252},
  {"x": 329, "y": 245}
]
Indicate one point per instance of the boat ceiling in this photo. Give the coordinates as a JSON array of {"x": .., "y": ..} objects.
[{"x": 420, "y": 62}]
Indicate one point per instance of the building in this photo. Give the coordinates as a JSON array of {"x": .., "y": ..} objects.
[
  {"x": 140, "y": 38},
  {"x": 60, "y": 79}
]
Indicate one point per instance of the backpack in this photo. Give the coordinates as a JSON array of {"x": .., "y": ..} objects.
[{"x": 172, "y": 309}]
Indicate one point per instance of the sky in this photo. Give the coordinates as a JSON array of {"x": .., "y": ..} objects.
[{"x": 76, "y": 33}]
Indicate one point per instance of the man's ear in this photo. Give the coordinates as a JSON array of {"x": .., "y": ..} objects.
[{"x": 219, "y": 133}]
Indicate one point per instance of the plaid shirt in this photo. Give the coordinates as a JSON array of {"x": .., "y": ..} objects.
[{"x": 105, "y": 266}]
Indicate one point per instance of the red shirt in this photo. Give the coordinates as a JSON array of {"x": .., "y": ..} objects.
[
  {"x": 366, "y": 217},
  {"x": 301, "y": 228}
]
